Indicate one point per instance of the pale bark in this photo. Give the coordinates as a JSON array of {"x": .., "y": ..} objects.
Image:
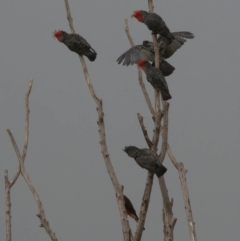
[
  {"x": 25, "y": 145},
  {"x": 102, "y": 135},
  {"x": 185, "y": 193},
  {"x": 8, "y": 207},
  {"x": 9, "y": 184},
  {"x": 21, "y": 169}
]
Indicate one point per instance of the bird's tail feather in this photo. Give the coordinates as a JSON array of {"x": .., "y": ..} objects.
[
  {"x": 91, "y": 55},
  {"x": 166, "y": 68},
  {"x": 166, "y": 95},
  {"x": 161, "y": 170},
  {"x": 183, "y": 34}
]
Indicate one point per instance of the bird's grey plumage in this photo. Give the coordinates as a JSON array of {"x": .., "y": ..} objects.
[
  {"x": 183, "y": 34},
  {"x": 146, "y": 159},
  {"x": 156, "y": 79},
  {"x": 167, "y": 50},
  {"x": 79, "y": 45},
  {"x": 157, "y": 25},
  {"x": 144, "y": 52},
  {"x": 135, "y": 54}
]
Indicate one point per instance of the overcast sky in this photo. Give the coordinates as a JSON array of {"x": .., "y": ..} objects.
[{"x": 64, "y": 159}]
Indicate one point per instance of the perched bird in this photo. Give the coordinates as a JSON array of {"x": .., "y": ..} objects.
[
  {"x": 146, "y": 159},
  {"x": 144, "y": 52},
  {"x": 155, "y": 78},
  {"x": 130, "y": 209},
  {"x": 76, "y": 43},
  {"x": 154, "y": 23}
]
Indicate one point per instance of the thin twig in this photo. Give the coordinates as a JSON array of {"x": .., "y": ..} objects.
[
  {"x": 69, "y": 16},
  {"x": 157, "y": 58},
  {"x": 9, "y": 184},
  {"x": 164, "y": 131},
  {"x": 144, "y": 130},
  {"x": 25, "y": 146},
  {"x": 41, "y": 214},
  {"x": 157, "y": 128},
  {"x": 191, "y": 224},
  {"x": 8, "y": 207},
  {"x": 171, "y": 156},
  {"x": 102, "y": 135},
  {"x": 139, "y": 72},
  {"x": 150, "y": 6}
]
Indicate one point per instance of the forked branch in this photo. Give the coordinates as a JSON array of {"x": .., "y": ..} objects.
[
  {"x": 25, "y": 146},
  {"x": 9, "y": 184},
  {"x": 41, "y": 215}
]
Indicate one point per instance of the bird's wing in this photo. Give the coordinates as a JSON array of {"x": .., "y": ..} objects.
[
  {"x": 80, "y": 40},
  {"x": 135, "y": 54},
  {"x": 183, "y": 34}
]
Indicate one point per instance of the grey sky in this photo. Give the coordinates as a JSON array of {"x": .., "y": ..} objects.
[{"x": 64, "y": 159}]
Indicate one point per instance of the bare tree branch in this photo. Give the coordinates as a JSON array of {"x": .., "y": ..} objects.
[
  {"x": 140, "y": 73},
  {"x": 9, "y": 184},
  {"x": 157, "y": 126},
  {"x": 152, "y": 144},
  {"x": 8, "y": 207},
  {"x": 164, "y": 131},
  {"x": 168, "y": 230},
  {"x": 102, "y": 135},
  {"x": 144, "y": 130},
  {"x": 144, "y": 207},
  {"x": 150, "y": 6},
  {"x": 191, "y": 223},
  {"x": 24, "y": 153},
  {"x": 25, "y": 146},
  {"x": 149, "y": 181},
  {"x": 171, "y": 156},
  {"x": 168, "y": 219},
  {"x": 41, "y": 215},
  {"x": 156, "y": 51},
  {"x": 69, "y": 16},
  {"x": 182, "y": 176}
]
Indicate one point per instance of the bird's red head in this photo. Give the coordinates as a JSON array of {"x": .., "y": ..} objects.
[
  {"x": 58, "y": 34},
  {"x": 138, "y": 15},
  {"x": 141, "y": 63}
]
